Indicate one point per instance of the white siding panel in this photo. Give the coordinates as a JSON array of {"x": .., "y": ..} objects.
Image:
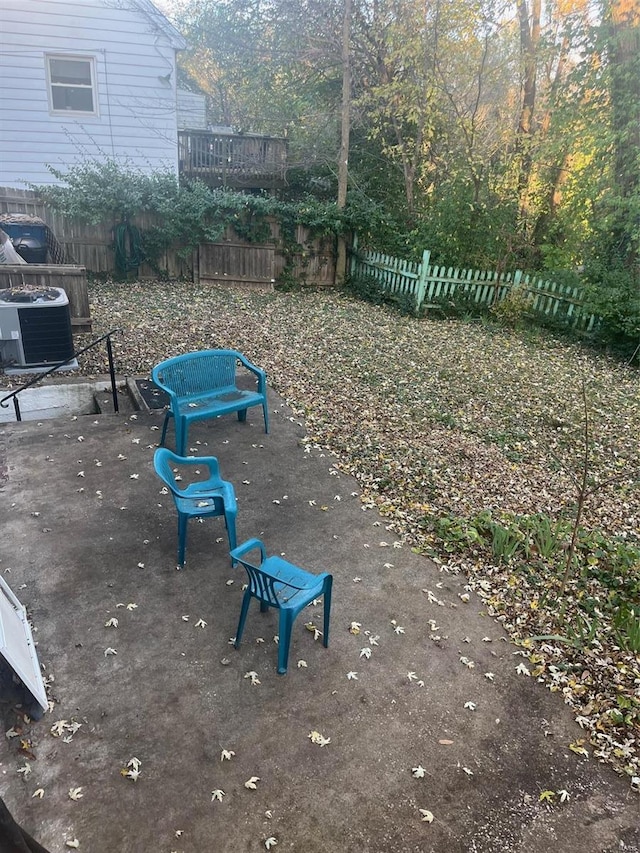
[
  {"x": 192, "y": 112},
  {"x": 135, "y": 69}
]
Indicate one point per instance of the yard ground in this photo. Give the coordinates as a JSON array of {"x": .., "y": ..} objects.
[
  {"x": 452, "y": 428},
  {"x": 399, "y": 417}
]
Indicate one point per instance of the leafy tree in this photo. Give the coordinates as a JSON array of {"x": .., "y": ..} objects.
[
  {"x": 493, "y": 133},
  {"x": 271, "y": 67}
]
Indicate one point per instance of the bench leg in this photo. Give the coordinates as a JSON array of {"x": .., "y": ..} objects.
[{"x": 165, "y": 425}]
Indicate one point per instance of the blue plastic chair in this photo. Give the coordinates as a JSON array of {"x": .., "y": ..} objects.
[
  {"x": 203, "y": 385},
  {"x": 210, "y": 496},
  {"x": 277, "y": 583}
]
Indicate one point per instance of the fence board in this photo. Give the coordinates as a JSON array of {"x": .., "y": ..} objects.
[
  {"x": 237, "y": 263},
  {"x": 72, "y": 279}
]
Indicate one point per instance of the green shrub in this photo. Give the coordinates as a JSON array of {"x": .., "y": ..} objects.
[
  {"x": 186, "y": 214},
  {"x": 614, "y": 295},
  {"x": 369, "y": 289},
  {"x": 514, "y": 309}
]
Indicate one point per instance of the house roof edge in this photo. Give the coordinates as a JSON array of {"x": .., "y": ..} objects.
[{"x": 162, "y": 23}]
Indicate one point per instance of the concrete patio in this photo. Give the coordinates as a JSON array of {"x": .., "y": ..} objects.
[{"x": 86, "y": 532}]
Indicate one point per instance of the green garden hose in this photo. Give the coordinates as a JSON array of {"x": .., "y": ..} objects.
[{"x": 128, "y": 248}]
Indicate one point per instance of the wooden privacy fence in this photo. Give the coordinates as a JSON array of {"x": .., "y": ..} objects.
[
  {"x": 311, "y": 262},
  {"x": 90, "y": 246},
  {"x": 237, "y": 263},
  {"x": 428, "y": 284}
]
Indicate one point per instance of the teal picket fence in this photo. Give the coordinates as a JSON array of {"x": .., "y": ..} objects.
[{"x": 430, "y": 285}]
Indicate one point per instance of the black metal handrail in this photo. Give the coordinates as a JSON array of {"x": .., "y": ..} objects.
[{"x": 40, "y": 376}]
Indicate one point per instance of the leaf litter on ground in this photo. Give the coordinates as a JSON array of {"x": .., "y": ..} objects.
[{"x": 438, "y": 419}]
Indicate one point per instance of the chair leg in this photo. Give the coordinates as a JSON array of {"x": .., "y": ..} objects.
[
  {"x": 230, "y": 522},
  {"x": 242, "y": 415},
  {"x": 167, "y": 416},
  {"x": 286, "y": 624},
  {"x": 246, "y": 599},
  {"x": 328, "y": 584},
  {"x": 182, "y": 537},
  {"x": 265, "y": 412}
]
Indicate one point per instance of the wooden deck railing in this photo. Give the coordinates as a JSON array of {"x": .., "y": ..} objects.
[{"x": 233, "y": 160}]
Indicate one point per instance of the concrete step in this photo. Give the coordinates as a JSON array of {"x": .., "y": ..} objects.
[{"x": 104, "y": 400}]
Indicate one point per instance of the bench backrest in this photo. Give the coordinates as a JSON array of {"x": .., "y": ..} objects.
[{"x": 199, "y": 373}]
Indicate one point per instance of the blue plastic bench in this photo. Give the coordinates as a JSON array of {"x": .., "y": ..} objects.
[{"x": 203, "y": 385}]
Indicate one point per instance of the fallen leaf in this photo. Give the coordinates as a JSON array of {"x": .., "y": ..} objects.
[
  {"x": 578, "y": 748},
  {"x": 319, "y": 739}
]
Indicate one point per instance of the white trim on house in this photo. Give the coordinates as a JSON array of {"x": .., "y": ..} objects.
[{"x": 53, "y": 85}]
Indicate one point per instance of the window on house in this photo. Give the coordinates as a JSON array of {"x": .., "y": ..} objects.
[{"x": 72, "y": 84}]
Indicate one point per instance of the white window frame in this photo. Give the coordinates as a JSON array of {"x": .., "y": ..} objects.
[{"x": 94, "y": 89}]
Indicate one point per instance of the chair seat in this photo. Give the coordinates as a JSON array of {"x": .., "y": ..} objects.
[
  {"x": 287, "y": 575},
  {"x": 203, "y": 504},
  {"x": 207, "y": 405}
]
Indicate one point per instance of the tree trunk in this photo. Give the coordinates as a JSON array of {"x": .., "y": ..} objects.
[
  {"x": 529, "y": 41},
  {"x": 623, "y": 46},
  {"x": 345, "y": 127}
]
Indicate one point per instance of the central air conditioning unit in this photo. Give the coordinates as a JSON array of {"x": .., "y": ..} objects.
[{"x": 35, "y": 327}]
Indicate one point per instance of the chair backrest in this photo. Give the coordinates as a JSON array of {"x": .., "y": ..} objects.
[
  {"x": 197, "y": 372},
  {"x": 261, "y": 584},
  {"x": 164, "y": 461}
]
